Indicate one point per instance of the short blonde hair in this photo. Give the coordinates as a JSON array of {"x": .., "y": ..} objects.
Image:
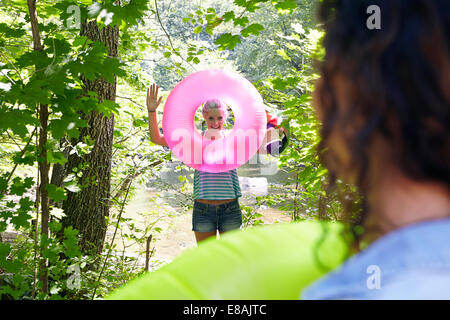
[{"x": 214, "y": 104}]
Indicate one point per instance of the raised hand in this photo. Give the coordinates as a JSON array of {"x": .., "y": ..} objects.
[{"x": 152, "y": 98}]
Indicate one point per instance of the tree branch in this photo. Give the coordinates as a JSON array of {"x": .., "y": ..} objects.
[
  {"x": 131, "y": 177},
  {"x": 114, "y": 236},
  {"x": 137, "y": 103},
  {"x": 14, "y": 67},
  {"x": 37, "y": 45},
  {"x": 21, "y": 155},
  {"x": 168, "y": 36}
]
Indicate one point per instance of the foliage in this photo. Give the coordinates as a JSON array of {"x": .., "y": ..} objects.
[
  {"x": 250, "y": 217},
  {"x": 18, "y": 261},
  {"x": 159, "y": 44},
  {"x": 52, "y": 77},
  {"x": 289, "y": 40}
]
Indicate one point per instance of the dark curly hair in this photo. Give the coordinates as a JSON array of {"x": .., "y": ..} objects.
[{"x": 392, "y": 83}]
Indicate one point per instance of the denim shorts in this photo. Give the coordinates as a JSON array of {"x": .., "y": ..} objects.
[{"x": 222, "y": 217}]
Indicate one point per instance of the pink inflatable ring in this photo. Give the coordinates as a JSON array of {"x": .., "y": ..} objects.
[{"x": 239, "y": 145}]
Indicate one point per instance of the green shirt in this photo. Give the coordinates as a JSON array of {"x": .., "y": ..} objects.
[{"x": 216, "y": 186}]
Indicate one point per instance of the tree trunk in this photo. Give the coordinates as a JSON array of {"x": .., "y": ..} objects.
[
  {"x": 43, "y": 165},
  {"x": 45, "y": 210},
  {"x": 87, "y": 209}
]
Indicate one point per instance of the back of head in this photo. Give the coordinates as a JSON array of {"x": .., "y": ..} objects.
[{"x": 389, "y": 84}]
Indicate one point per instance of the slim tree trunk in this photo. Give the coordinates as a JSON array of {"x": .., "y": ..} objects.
[
  {"x": 43, "y": 165},
  {"x": 45, "y": 214},
  {"x": 87, "y": 209}
]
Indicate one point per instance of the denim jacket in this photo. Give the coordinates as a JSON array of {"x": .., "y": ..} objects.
[{"x": 409, "y": 263}]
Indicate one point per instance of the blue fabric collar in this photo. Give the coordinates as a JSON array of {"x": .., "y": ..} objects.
[{"x": 418, "y": 246}]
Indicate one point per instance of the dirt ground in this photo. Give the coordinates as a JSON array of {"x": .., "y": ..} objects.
[{"x": 176, "y": 233}]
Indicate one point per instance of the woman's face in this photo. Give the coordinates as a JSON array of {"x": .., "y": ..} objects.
[{"x": 215, "y": 118}]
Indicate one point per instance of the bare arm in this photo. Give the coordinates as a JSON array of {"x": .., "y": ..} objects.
[{"x": 153, "y": 103}]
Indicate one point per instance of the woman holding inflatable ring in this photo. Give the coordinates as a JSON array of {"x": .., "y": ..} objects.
[{"x": 216, "y": 206}]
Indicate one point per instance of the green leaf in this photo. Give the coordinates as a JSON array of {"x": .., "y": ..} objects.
[
  {"x": 209, "y": 30},
  {"x": 3, "y": 184},
  {"x": 254, "y": 29},
  {"x": 21, "y": 218},
  {"x": 250, "y": 5},
  {"x": 17, "y": 120},
  {"x": 28, "y": 158},
  {"x": 36, "y": 91},
  {"x": 67, "y": 124},
  {"x": 57, "y": 46},
  {"x": 157, "y": 229},
  {"x": 227, "y": 41},
  {"x": 26, "y": 204},
  {"x": 285, "y": 6},
  {"x": 70, "y": 232},
  {"x": 9, "y": 32},
  {"x": 50, "y": 251},
  {"x": 81, "y": 41},
  {"x": 108, "y": 106},
  {"x": 278, "y": 84},
  {"x": 10, "y": 265},
  {"x": 139, "y": 123},
  {"x": 240, "y": 21},
  {"x": 32, "y": 58},
  {"x": 111, "y": 68},
  {"x": 56, "y": 157},
  {"x": 19, "y": 186},
  {"x": 241, "y": 3},
  {"x": 55, "y": 226},
  {"x": 282, "y": 53},
  {"x": 71, "y": 243},
  {"x": 124, "y": 16},
  {"x": 55, "y": 193},
  {"x": 198, "y": 29},
  {"x": 228, "y": 16}
]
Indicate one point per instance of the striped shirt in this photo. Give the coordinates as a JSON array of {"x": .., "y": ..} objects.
[{"x": 216, "y": 186}]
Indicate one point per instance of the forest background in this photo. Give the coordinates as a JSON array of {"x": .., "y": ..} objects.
[{"x": 74, "y": 140}]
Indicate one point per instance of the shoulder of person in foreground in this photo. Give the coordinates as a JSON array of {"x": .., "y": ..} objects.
[
  {"x": 409, "y": 263},
  {"x": 418, "y": 285}
]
